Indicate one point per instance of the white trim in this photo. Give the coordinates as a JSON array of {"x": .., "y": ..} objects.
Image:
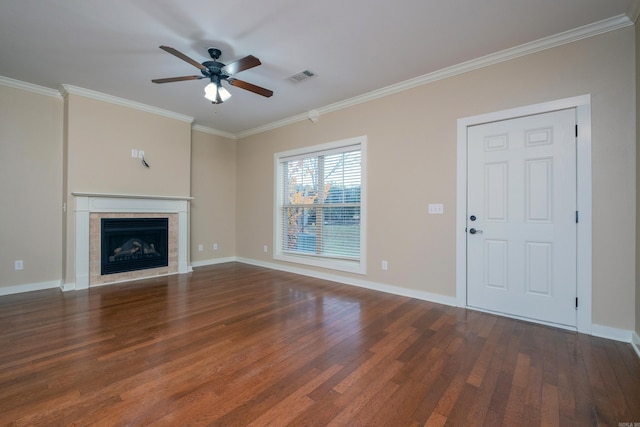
[
  {"x": 584, "y": 205},
  {"x": 582, "y": 104},
  {"x": 88, "y": 93},
  {"x": 610, "y": 333},
  {"x": 277, "y": 124},
  {"x": 635, "y": 342},
  {"x": 130, "y": 196},
  {"x": 634, "y": 10},
  {"x": 524, "y": 319},
  {"x": 586, "y": 31},
  {"x": 212, "y": 131},
  {"x": 375, "y": 286},
  {"x": 213, "y": 261},
  {"x": 65, "y": 287},
  {"x": 29, "y": 287},
  {"x": 40, "y": 90},
  {"x": 327, "y": 146},
  {"x": 359, "y": 266}
]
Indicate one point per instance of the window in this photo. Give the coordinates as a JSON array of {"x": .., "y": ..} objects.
[{"x": 320, "y": 209}]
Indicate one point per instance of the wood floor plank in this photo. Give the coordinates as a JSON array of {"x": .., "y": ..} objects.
[
  {"x": 356, "y": 399},
  {"x": 297, "y": 402},
  {"x": 388, "y": 345},
  {"x": 235, "y": 344},
  {"x": 550, "y": 406}
]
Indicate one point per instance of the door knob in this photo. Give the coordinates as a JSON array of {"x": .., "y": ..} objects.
[{"x": 474, "y": 231}]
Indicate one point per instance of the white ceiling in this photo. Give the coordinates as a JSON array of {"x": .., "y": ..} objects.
[{"x": 353, "y": 46}]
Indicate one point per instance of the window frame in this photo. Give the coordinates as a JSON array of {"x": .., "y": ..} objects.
[{"x": 348, "y": 265}]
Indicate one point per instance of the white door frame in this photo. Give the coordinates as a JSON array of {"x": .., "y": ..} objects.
[{"x": 582, "y": 104}]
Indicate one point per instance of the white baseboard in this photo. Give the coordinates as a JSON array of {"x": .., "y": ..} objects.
[
  {"x": 610, "y": 333},
  {"x": 65, "y": 287},
  {"x": 17, "y": 289},
  {"x": 390, "y": 289},
  {"x": 212, "y": 261}
]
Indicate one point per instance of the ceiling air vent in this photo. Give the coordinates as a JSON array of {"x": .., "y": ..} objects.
[{"x": 301, "y": 76}]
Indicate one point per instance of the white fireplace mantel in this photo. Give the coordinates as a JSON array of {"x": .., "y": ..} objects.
[{"x": 87, "y": 203}]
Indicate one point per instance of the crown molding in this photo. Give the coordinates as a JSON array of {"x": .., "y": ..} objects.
[
  {"x": 40, "y": 90},
  {"x": 88, "y": 93},
  {"x": 634, "y": 10},
  {"x": 275, "y": 125},
  {"x": 590, "y": 30},
  {"x": 212, "y": 131}
]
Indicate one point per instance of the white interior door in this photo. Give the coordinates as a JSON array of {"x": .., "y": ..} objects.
[{"x": 521, "y": 217}]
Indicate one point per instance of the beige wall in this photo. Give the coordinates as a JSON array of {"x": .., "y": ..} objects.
[
  {"x": 213, "y": 188},
  {"x": 99, "y": 137},
  {"x": 412, "y": 162},
  {"x": 31, "y": 187}
]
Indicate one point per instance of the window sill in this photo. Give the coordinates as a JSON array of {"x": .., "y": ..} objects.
[{"x": 357, "y": 267}]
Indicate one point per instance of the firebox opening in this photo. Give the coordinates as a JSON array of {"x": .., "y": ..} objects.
[{"x": 130, "y": 244}]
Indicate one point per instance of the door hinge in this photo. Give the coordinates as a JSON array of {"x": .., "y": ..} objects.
[
  {"x": 577, "y": 218},
  {"x": 576, "y": 131},
  {"x": 576, "y": 303}
]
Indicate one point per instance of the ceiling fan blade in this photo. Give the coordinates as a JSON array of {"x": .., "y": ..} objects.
[
  {"x": 242, "y": 64},
  {"x": 250, "y": 87},
  {"x": 177, "y": 79},
  {"x": 183, "y": 57}
]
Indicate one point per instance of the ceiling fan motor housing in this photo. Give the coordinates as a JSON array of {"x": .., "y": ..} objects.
[
  {"x": 213, "y": 68},
  {"x": 214, "y": 52}
]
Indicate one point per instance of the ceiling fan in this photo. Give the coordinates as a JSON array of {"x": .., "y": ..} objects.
[{"x": 216, "y": 72}]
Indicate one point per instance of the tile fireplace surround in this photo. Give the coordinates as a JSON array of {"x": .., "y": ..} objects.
[{"x": 89, "y": 208}]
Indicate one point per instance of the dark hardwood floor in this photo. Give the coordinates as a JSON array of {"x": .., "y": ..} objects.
[{"x": 238, "y": 345}]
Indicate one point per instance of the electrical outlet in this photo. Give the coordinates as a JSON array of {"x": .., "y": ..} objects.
[
  {"x": 19, "y": 264},
  {"x": 215, "y": 246},
  {"x": 385, "y": 265},
  {"x": 134, "y": 153},
  {"x": 200, "y": 248},
  {"x": 266, "y": 249},
  {"x": 436, "y": 208},
  {"x": 141, "y": 154}
]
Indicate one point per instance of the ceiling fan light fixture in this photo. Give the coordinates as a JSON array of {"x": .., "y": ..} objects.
[
  {"x": 210, "y": 91},
  {"x": 216, "y": 94},
  {"x": 224, "y": 93}
]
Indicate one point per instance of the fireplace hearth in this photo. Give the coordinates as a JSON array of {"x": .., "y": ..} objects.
[{"x": 130, "y": 244}]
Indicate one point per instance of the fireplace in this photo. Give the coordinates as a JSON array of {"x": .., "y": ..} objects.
[
  {"x": 91, "y": 208},
  {"x": 130, "y": 244}
]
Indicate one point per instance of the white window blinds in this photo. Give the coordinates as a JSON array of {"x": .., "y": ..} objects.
[{"x": 320, "y": 209}]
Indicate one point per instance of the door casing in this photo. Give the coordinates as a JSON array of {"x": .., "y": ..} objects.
[{"x": 582, "y": 104}]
